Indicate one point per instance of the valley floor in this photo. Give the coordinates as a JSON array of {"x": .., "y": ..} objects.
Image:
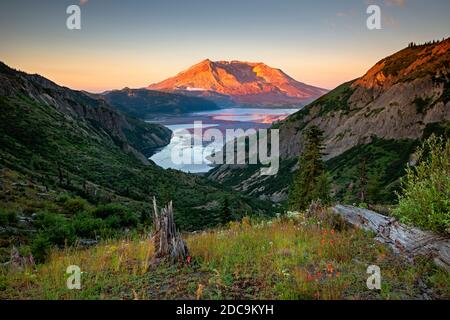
[{"x": 284, "y": 258}]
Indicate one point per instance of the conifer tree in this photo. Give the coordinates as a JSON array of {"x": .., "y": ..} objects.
[
  {"x": 311, "y": 179},
  {"x": 363, "y": 181},
  {"x": 226, "y": 212}
]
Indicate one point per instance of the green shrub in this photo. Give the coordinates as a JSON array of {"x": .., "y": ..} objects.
[
  {"x": 40, "y": 248},
  {"x": 46, "y": 219},
  {"x": 87, "y": 226},
  {"x": 107, "y": 210},
  {"x": 56, "y": 229},
  {"x": 425, "y": 197},
  {"x": 62, "y": 198},
  {"x": 125, "y": 219},
  {"x": 8, "y": 217},
  {"x": 74, "y": 206},
  {"x": 116, "y": 216},
  {"x": 3, "y": 282},
  {"x": 422, "y": 104},
  {"x": 363, "y": 205}
]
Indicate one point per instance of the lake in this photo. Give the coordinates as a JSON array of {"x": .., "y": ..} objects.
[{"x": 184, "y": 134}]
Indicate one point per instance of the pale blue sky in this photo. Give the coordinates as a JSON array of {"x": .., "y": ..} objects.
[{"x": 134, "y": 43}]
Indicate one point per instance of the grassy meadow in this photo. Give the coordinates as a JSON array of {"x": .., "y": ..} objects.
[{"x": 291, "y": 257}]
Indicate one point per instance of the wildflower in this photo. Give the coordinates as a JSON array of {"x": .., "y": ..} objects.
[
  {"x": 332, "y": 231},
  {"x": 309, "y": 277},
  {"x": 331, "y": 242},
  {"x": 330, "y": 268},
  {"x": 322, "y": 242},
  {"x": 188, "y": 259}
]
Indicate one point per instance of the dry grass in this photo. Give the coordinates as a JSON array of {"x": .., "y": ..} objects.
[
  {"x": 100, "y": 265},
  {"x": 296, "y": 258}
]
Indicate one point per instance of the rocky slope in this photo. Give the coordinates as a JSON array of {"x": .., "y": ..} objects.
[
  {"x": 133, "y": 136},
  {"x": 395, "y": 99},
  {"x": 245, "y": 83},
  {"x": 381, "y": 115}
]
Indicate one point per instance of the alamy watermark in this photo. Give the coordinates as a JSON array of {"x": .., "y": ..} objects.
[
  {"x": 373, "y": 22},
  {"x": 374, "y": 280},
  {"x": 73, "y": 21},
  {"x": 249, "y": 146},
  {"x": 74, "y": 280}
]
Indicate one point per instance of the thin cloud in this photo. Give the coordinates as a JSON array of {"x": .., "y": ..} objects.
[{"x": 395, "y": 3}]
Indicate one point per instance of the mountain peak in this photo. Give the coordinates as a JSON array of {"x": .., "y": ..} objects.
[
  {"x": 204, "y": 61},
  {"x": 253, "y": 83}
]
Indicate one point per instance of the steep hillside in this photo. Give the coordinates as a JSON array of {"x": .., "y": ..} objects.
[
  {"x": 57, "y": 144},
  {"x": 395, "y": 99},
  {"x": 145, "y": 104},
  {"x": 246, "y": 83},
  {"x": 379, "y": 117},
  {"x": 75, "y": 106}
]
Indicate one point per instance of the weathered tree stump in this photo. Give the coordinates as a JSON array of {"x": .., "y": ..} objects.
[
  {"x": 404, "y": 240},
  {"x": 169, "y": 246}
]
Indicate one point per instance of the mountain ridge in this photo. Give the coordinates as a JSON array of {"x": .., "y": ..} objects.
[
  {"x": 145, "y": 104},
  {"x": 246, "y": 83}
]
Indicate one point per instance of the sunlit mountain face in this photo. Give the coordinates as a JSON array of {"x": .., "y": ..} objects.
[{"x": 245, "y": 83}]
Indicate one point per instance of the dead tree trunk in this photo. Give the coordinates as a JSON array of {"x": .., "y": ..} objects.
[
  {"x": 169, "y": 245},
  {"x": 404, "y": 240}
]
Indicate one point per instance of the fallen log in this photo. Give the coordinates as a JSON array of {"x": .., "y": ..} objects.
[
  {"x": 404, "y": 240},
  {"x": 169, "y": 246}
]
